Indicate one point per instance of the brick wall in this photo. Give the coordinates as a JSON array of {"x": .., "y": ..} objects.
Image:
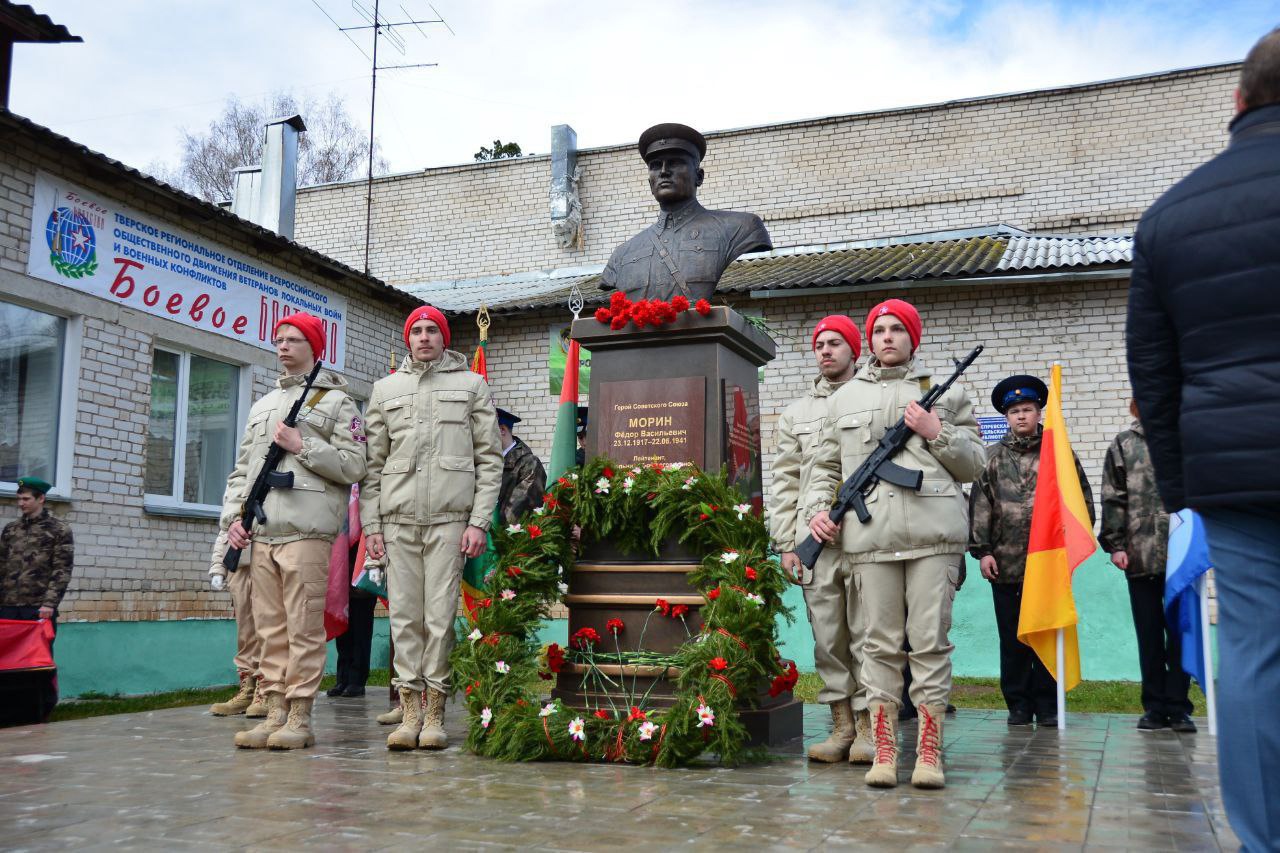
[
  {"x": 132, "y": 564},
  {"x": 1082, "y": 158}
]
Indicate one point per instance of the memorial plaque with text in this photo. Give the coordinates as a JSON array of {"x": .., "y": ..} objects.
[{"x": 652, "y": 420}]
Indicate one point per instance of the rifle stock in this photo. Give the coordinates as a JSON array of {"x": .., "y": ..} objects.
[{"x": 268, "y": 478}]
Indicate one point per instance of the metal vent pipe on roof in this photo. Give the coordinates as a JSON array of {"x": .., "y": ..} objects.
[{"x": 279, "y": 181}]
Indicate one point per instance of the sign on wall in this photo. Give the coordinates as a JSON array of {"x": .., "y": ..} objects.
[{"x": 86, "y": 242}]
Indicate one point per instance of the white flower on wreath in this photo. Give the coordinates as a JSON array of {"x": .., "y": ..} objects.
[
  {"x": 502, "y": 667},
  {"x": 477, "y": 634},
  {"x": 514, "y": 528},
  {"x": 742, "y": 510},
  {"x": 674, "y": 466},
  {"x": 486, "y": 716},
  {"x": 728, "y": 557},
  {"x": 752, "y": 597},
  {"x": 577, "y": 729},
  {"x": 602, "y": 486},
  {"x": 647, "y": 729},
  {"x": 508, "y": 594},
  {"x": 627, "y": 484},
  {"x": 547, "y": 709},
  {"x": 573, "y": 476},
  {"x": 688, "y": 484},
  {"x": 564, "y": 588},
  {"x": 539, "y": 510},
  {"x": 635, "y": 471},
  {"x": 706, "y": 716}
]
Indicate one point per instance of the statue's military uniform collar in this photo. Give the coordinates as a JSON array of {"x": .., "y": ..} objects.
[{"x": 675, "y": 219}]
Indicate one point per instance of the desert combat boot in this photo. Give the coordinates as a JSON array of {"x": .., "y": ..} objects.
[
  {"x": 256, "y": 737},
  {"x": 406, "y": 737},
  {"x": 928, "y": 771},
  {"x": 884, "y": 734},
  {"x": 258, "y": 708},
  {"x": 863, "y": 750},
  {"x": 296, "y": 732},
  {"x": 239, "y": 702},
  {"x": 836, "y": 747},
  {"x": 433, "y": 736},
  {"x": 391, "y": 718}
]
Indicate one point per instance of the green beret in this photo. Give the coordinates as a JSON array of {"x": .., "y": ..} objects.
[{"x": 35, "y": 484}]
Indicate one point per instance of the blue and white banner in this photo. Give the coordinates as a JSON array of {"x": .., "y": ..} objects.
[
  {"x": 89, "y": 243},
  {"x": 1188, "y": 560}
]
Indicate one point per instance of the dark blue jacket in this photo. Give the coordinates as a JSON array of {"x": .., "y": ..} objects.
[{"x": 1204, "y": 325}]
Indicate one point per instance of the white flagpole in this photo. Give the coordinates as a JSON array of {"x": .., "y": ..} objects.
[
  {"x": 1062, "y": 671},
  {"x": 1210, "y": 697}
]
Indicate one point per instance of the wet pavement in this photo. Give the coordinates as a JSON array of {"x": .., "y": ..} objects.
[{"x": 172, "y": 779}]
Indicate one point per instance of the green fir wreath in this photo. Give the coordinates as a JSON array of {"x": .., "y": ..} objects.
[{"x": 636, "y": 507}]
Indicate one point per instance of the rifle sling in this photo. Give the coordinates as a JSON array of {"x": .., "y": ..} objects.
[{"x": 682, "y": 286}]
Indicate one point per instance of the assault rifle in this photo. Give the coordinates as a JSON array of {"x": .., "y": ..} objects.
[
  {"x": 880, "y": 466},
  {"x": 268, "y": 477}
]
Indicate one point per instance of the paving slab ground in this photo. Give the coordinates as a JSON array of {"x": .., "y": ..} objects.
[{"x": 172, "y": 780}]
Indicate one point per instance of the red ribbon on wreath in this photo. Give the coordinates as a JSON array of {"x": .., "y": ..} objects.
[
  {"x": 735, "y": 638},
  {"x": 733, "y": 691}
]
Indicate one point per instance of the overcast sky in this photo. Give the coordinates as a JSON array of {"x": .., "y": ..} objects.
[{"x": 513, "y": 68}]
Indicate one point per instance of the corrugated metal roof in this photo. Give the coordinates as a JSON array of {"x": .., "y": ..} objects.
[
  {"x": 792, "y": 269},
  {"x": 199, "y": 208},
  {"x": 25, "y": 24}
]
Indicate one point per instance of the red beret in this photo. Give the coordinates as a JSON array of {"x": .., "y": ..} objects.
[
  {"x": 427, "y": 312},
  {"x": 904, "y": 311},
  {"x": 312, "y": 329},
  {"x": 845, "y": 327}
]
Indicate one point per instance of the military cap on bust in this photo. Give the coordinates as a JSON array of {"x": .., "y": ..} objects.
[
  {"x": 669, "y": 136},
  {"x": 35, "y": 484},
  {"x": 506, "y": 419},
  {"x": 1019, "y": 389}
]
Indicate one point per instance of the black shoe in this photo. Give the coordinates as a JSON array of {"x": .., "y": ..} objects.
[
  {"x": 951, "y": 710},
  {"x": 336, "y": 690},
  {"x": 1046, "y": 721},
  {"x": 1182, "y": 723},
  {"x": 1019, "y": 718},
  {"x": 353, "y": 690},
  {"x": 1153, "y": 722}
]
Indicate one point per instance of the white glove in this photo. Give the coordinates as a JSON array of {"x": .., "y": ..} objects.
[
  {"x": 217, "y": 582},
  {"x": 378, "y": 575}
]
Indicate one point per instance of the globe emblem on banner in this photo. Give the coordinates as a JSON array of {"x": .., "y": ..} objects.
[{"x": 72, "y": 245}]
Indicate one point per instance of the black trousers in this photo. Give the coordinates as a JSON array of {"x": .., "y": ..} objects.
[
  {"x": 353, "y": 645},
  {"x": 1025, "y": 682},
  {"x": 1164, "y": 684}
]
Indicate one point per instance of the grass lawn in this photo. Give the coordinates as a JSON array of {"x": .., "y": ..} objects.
[{"x": 1112, "y": 697}]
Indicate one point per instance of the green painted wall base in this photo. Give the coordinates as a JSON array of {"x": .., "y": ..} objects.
[{"x": 150, "y": 657}]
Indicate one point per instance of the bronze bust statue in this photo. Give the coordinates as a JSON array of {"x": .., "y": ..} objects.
[{"x": 688, "y": 248}]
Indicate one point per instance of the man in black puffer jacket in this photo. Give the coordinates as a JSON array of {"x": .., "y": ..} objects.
[{"x": 1204, "y": 360}]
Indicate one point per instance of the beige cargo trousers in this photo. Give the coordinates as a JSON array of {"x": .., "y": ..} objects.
[
  {"x": 835, "y": 615},
  {"x": 424, "y": 584},
  {"x": 248, "y": 643},
  {"x": 289, "y": 583}
]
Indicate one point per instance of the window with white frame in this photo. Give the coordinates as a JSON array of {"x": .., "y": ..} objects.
[
  {"x": 192, "y": 433},
  {"x": 32, "y": 354}
]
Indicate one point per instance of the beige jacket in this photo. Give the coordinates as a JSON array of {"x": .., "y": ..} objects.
[
  {"x": 904, "y": 525},
  {"x": 434, "y": 452},
  {"x": 331, "y": 459},
  {"x": 796, "y": 438}
]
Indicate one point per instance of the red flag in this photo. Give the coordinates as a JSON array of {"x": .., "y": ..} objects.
[
  {"x": 337, "y": 595},
  {"x": 25, "y": 643}
]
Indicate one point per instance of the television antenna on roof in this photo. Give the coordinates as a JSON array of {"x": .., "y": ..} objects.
[{"x": 383, "y": 29}]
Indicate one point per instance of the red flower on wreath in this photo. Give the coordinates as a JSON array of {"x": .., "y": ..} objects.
[
  {"x": 555, "y": 657},
  {"x": 785, "y": 682},
  {"x": 661, "y": 604},
  {"x": 601, "y": 713},
  {"x": 714, "y": 594},
  {"x": 584, "y": 638},
  {"x": 703, "y": 307},
  {"x": 485, "y": 602},
  {"x": 718, "y": 664},
  {"x": 702, "y": 516},
  {"x": 549, "y": 501},
  {"x": 534, "y": 531},
  {"x": 751, "y": 573},
  {"x": 679, "y": 610},
  {"x": 608, "y": 472},
  {"x": 614, "y": 626},
  {"x": 636, "y": 714},
  {"x": 514, "y": 571}
]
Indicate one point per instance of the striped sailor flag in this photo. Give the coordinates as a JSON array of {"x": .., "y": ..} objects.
[
  {"x": 1061, "y": 539},
  {"x": 1183, "y": 578}
]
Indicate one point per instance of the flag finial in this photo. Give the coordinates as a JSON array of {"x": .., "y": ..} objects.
[
  {"x": 575, "y": 300},
  {"x": 482, "y": 321}
]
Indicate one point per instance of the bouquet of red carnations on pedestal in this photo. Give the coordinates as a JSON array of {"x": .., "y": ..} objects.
[{"x": 646, "y": 312}]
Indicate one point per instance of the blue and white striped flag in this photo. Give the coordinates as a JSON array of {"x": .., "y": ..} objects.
[{"x": 1188, "y": 560}]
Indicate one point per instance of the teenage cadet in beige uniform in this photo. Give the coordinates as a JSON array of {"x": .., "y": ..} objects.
[
  {"x": 249, "y": 700},
  {"x": 435, "y": 468},
  {"x": 325, "y": 452},
  {"x": 829, "y": 594},
  {"x": 906, "y": 559}
]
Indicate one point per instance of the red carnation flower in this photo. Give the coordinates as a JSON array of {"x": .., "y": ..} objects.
[
  {"x": 718, "y": 664},
  {"x": 680, "y": 303},
  {"x": 714, "y": 507},
  {"x": 603, "y": 315},
  {"x": 661, "y": 604},
  {"x": 584, "y": 638},
  {"x": 545, "y": 676},
  {"x": 618, "y": 301},
  {"x": 751, "y": 573},
  {"x": 534, "y": 531},
  {"x": 614, "y": 626},
  {"x": 469, "y": 688},
  {"x": 714, "y": 594},
  {"x": 608, "y": 472},
  {"x": 703, "y": 307},
  {"x": 618, "y": 322},
  {"x": 485, "y": 602},
  {"x": 549, "y": 501},
  {"x": 702, "y": 516},
  {"x": 601, "y": 713},
  {"x": 514, "y": 571},
  {"x": 636, "y": 714},
  {"x": 679, "y": 610},
  {"x": 555, "y": 657}
]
